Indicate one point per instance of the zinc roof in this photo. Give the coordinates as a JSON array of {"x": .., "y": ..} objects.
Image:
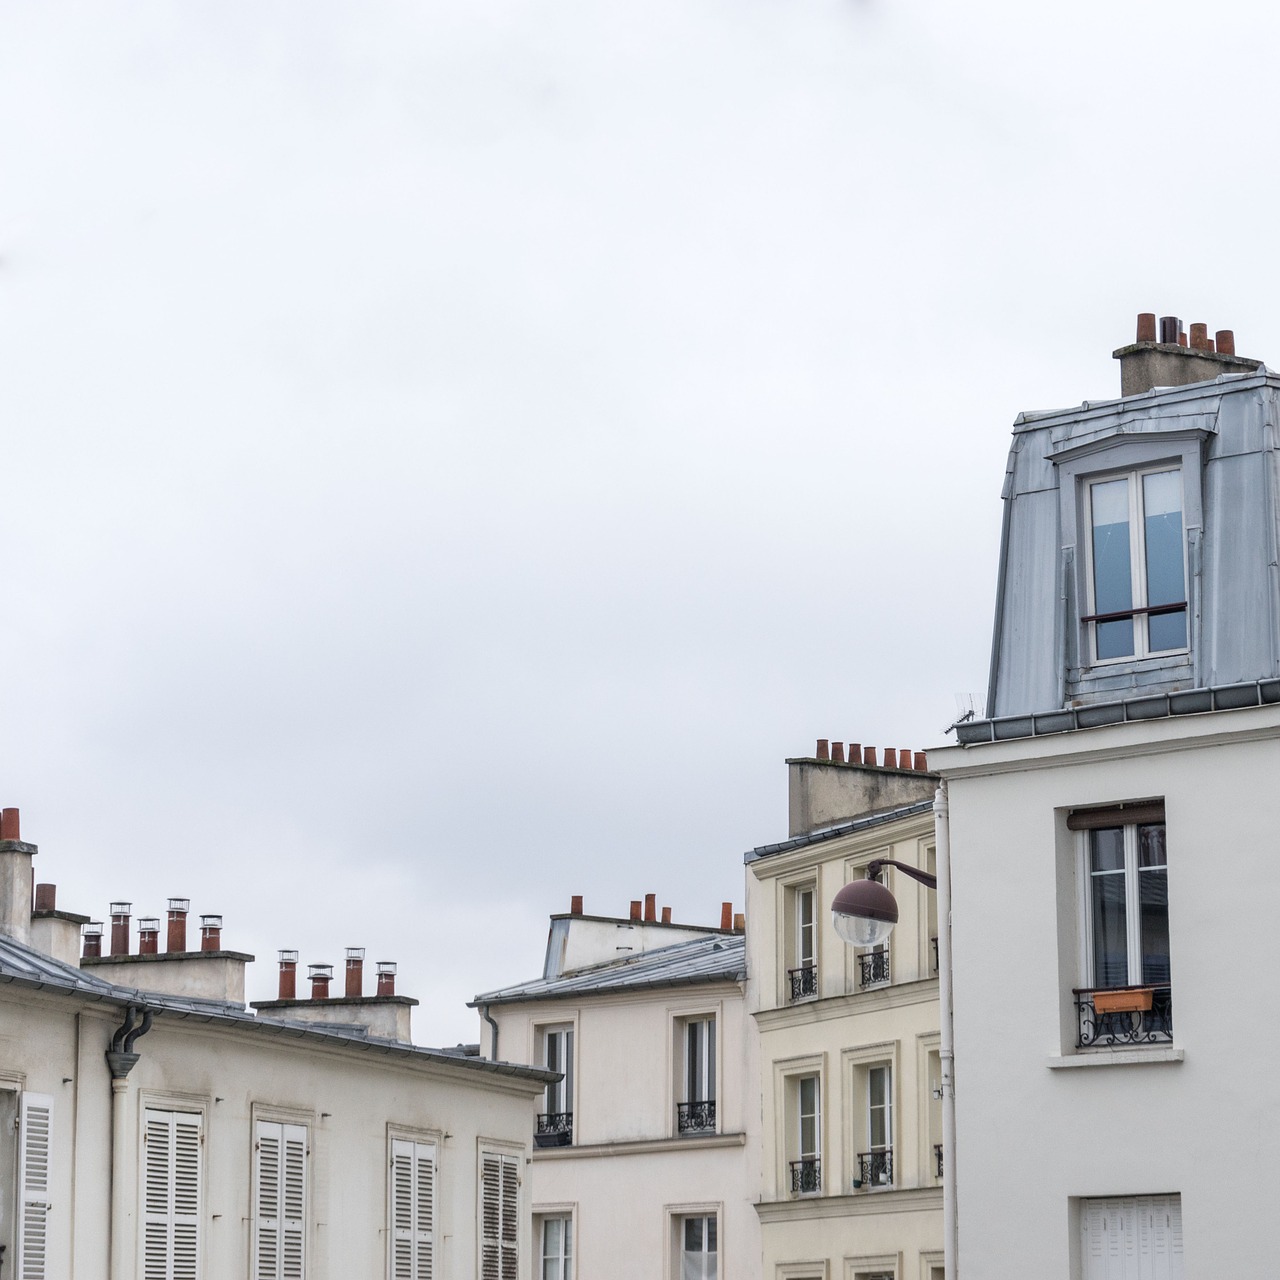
[{"x": 863, "y": 823}]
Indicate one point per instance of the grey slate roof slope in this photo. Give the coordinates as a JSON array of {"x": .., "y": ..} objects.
[
  {"x": 864, "y": 823},
  {"x": 720, "y": 958},
  {"x": 24, "y": 966}
]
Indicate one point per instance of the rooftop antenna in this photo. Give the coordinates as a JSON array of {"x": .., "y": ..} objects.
[{"x": 965, "y": 707}]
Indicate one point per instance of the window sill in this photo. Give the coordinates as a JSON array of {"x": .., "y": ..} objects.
[{"x": 1115, "y": 1058}]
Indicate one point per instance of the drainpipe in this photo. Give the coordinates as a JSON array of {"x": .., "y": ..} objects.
[
  {"x": 121, "y": 1059},
  {"x": 946, "y": 1048},
  {"x": 493, "y": 1047}
]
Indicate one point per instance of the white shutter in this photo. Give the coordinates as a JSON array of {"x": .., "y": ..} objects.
[
  {"x": 280, "y": 1190},
  {"x": 1135, "y": 1238},
  {"x": 172, "y": 1161},
  {"x": 500, "y": 1217},
  {"x": 35, "y": 1131},
  {"x": 413, "y": 1210}
]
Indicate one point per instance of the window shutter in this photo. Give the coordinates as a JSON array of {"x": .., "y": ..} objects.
[
  {"x": 413, "y": 1210},
  {"x": 35, "y": 1127},
  {"x": 171, "y": 1195},
  {"x": 280, "y": 1187},
  {"x": 500, "y": 1217}
]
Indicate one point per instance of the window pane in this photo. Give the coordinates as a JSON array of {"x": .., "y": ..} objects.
[
  {"x": 711, "y": 1235},
  {"x": 1166, "y": 578},
  {"x": 1112, "y": 571},
  {"x": 1151, "y": 852},
  {"x": 709, "y": 1091},
  {"x": 1107, "y": 908},
  {"x": 1107, "y": 849},
  {"x": 1153, "y": 905},
  {"x": 693, "y": 1235}
]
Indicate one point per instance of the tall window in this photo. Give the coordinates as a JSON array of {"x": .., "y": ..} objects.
[
  {"x": 556, "y": 1248},
  {"x": 873, "y": 964},
  {"x": 697, "y": 1113},
  {"x": 34, "y": 1115},
  {"x": 1138, "y": 578},
  {"x": 806, "y": 1166},
  {"x": 802, "y": 968},
  {"x": 699, "y": 1248},
  {"x": 173, "y": 1177},
  {"x": 1128, "y": 905},
  {"x": 280, "y": 1196},
  {"x": 555, "y": 1124},
  {"x": 412, "y": 1204},
  {"x": 499, "y": 1217}
]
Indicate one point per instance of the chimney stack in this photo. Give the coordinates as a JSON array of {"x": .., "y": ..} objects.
[
  {"x": 635, "y": 909},
  {"x": 824, "y": 749},
  {"x": 148, "y": 935},
  {"x": 739, "y": 922},
  {"x": 650, "y": 907},
  {"x": 120, "y": 928},
  {"x": 1174, "y": 359},
  {"x": 837, "y": 753},
  {"x": 321, "y": 975},
  {"x": 726, "y": 916},
  {"x": 386, "y": 977},
  {"x": 575, "y": 905},
  {"x": 177, "y": 936},
  {"x": 210, "y": 933},
  {"x": 92, "y": 939},
  {"x": 666, "y": 915},
  {"x": 46, "y": 897},
  {"x": 9, "y": 825},
  {"x": 890, "y": 758},
  {"x": 355, "y": 972},
  {"x": 288, "y": 975}
]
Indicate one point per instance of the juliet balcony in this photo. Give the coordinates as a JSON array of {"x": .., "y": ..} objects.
[
  {"x": 806, "y": 1176},
  {"x": 694, "y": 1118},
  {"x": 555, "y": 1129},
  {"x": 804, "y": 983},
  {"x": 873, "y": 968},
  {"x": 1123, "y": 1016},
  {"x": 875, "y": 1169}
]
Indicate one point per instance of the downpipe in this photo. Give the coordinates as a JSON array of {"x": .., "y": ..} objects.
[
  {"x": 121, "y": 1059},
  {"x": 946, "y": 1048}
]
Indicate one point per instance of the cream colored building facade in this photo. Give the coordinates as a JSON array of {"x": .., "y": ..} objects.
[
  {"x": 149, "y": 1135},
  {"x": 646, "y": 1163},
  {"x": 851, "y": 1157}
]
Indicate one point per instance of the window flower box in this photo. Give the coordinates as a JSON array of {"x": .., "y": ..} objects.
[{"x": 1123, "y": 1000}]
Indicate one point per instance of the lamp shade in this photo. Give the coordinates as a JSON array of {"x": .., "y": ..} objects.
[{"x": 864, "y": 913}]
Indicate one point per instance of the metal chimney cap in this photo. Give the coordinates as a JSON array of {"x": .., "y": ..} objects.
[
  {"x": 355, "y": 953},
  {"x": 288, "y": 957},
  {"x": 180, "y": 904},
  {"x": 121, "y": 908},
  {"x": 148, "y": 924}
]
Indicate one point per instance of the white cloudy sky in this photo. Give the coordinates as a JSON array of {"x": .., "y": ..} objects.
[{"x": 452, "y": 453}]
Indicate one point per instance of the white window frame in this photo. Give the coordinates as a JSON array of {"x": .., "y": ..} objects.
[
  {"x": 886, "y": 1106},
  {"x": 709, "y": 1266},
  {"x": 563, "y": 1259},
  {"x": 700, "y": 1059},
  {"x": 1137, "y": 563},
  {"x": 806, "y": 958},
  {"x": 1132, "y": 902},
  {"x": 561, "y": 1092}
]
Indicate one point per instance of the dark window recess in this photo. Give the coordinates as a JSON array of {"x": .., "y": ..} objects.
[{"x": 555, "y": 1129}]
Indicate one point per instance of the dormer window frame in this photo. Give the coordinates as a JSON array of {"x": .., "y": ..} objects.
[{"x": 1123, "y": 453}]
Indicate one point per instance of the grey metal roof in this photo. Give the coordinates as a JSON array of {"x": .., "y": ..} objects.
[
  {"x": 863, "y": 823},
  {"x": 24, "y": 966},
  {"x": 722, "y": 958}
]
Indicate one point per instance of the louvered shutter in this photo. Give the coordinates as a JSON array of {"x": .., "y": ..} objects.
[
  {"x": 500, "y": 1217},
  {"x": 280, "y": 1188},
  {"x": 35, "y": 1132},
  {"x": 413, "y": 1210},
  {"x": 172, "y": 1162}
]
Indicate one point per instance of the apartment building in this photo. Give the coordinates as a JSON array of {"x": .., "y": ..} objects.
[
  {"x": 1112, "y": 876},
  {"x": 153, "y": 1126},
  {"x": 849, "y": 1039},
  {"x": 646, "y": 1148}
]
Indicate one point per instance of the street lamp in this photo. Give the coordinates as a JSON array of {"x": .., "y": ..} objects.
[{"x": 864, "y": 911}]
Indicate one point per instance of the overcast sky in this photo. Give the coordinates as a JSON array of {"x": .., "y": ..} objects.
[{"x": 454, "y": 452}]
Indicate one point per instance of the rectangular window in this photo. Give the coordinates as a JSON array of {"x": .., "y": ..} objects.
[
  {"x": 35, "y": 1139},
  {"x": 806, "y": 1165},
  {"x": 173, "y": 1185},
  {"x": 411, "y": 1199},
  {"x": 1125, "y": 872},
  {"x": 555, "y": 1124},
  {"x": 697, "y": 1112},
  {"x": 875, "y": 1164},
  {"x": 699, "y": 1248},
  {"x": 1132, "y": 1238},
  {"x": 556, "y": 1248},
  {"x": 1138, "y": 580},
  {"x": 802, "y": 968},
  {"x": 873, "y": 964},
  {"x": 280, "y": 1195},
  {"x": 499, "y": 1217}
]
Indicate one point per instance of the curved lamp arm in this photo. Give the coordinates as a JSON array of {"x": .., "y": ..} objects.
[{"x": 874, "y": 868}]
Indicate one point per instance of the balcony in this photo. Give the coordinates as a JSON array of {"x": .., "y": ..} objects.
[
  {"x": 873, "y": 968},
  {"x": 875, "y": 1169},
  {"x": 1103, "y": 1019},
  {"x": 696, "y": 1117},
  {"x": 804, "y": 982},
  {"x": 937, "y": 1156},
  {"x": 555, "y": 1129},
  {"x": 806, "y": 1176}
]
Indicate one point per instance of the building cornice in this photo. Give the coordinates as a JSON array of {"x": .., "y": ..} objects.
[
  {"x": 640, "y": 1147},
  {"x": 864, "y": 1204},
  {"x": 897, "y": 995}
]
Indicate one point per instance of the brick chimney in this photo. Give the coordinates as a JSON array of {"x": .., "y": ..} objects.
[
  {"x": 1165, "y": 356},
  {"x": 15, "y": 879}
]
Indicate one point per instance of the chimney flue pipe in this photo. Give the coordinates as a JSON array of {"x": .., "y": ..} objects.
[
  {"x": 386, "y": 977},
  {"x": 210, "y": 933},
  {"x": 288, "y": 975},
  {"x": 355, "y": 972},
  {"x": 148, "y": 935},
  {"x": 120, "y": 928},
  {"x": 321, "y": 975},
  {"x": 177, "y": 935}
]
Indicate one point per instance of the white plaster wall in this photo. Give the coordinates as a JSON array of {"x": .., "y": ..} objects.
[
  {"x": 51, "y": 1044},
  {"x": 1031, "y": 1138}
]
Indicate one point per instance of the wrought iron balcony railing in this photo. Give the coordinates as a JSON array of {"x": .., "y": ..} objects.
[
  {"x": 696, "y": 1117},
  {"x": 1124, "y": 1016},
  {"x": 873, "y": 968},
  {"x": 806, "y": 1176},
  {"x": 937, "y": 1155},
  {"x": 875, "y": 1168},
  {"x": 555, "y": 1129},
  {"x": 804, "y": 982}
]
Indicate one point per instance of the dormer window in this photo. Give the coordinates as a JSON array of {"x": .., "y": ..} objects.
[{"x": 1137, "y": 565}]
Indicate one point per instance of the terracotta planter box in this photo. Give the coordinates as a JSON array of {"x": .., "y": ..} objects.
[{"x": 1122, "y": 1000}]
